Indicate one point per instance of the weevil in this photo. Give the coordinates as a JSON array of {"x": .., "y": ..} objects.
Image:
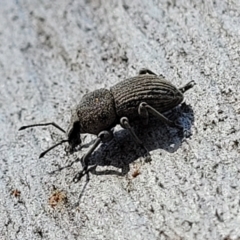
[{"x": 99, "y": 111}]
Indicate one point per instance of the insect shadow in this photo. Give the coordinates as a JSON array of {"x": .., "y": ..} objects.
[{"x": 122, "y": 150}]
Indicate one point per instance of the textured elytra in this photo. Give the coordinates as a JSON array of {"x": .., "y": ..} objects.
[{"x": 154, "y": 90}]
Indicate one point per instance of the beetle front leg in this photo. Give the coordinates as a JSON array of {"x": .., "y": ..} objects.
[
  {"x": 144, "y": 109},
  {"x": 104, "y": 136},
  {"x": 146, "y": 71}
]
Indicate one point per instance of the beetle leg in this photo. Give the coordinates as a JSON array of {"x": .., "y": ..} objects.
[
  {"x": 124, "y": 122},
  {"x": 103, "y": 136},
  {"x": 187, "y": 86},
  {"x": 144, "y": 109},
  {"x": 143, "y": 113},
  {"x": 145, "y": 71}
]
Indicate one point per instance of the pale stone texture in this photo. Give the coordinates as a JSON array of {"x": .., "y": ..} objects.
[{"x": 53, "y": 52}]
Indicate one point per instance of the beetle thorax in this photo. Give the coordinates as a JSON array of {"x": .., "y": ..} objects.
[{"x": 96, "y": 111}]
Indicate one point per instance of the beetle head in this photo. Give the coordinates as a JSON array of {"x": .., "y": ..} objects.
[{"x": 74, "y": 139}]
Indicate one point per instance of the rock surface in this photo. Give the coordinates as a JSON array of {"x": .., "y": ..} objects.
[{"x": 52, "y": 53}]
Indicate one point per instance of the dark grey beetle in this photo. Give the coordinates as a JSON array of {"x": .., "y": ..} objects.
[{"x": 99, "y": 111}]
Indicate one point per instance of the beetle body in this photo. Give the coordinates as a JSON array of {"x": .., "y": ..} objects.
[
  {"x": 102, "y": 109},
  {"x": 99, "y": 111},
  {"x": 152, "y": 89}
]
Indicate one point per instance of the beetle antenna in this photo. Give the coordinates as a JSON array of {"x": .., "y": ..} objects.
[
  {"x": 42, "y": 124},
  {"x": 43, "y": 153}
]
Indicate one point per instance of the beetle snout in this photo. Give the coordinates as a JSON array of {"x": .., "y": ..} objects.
[
  {"x": 74, "y": 144},
  {"x": 74, "y": 139}
]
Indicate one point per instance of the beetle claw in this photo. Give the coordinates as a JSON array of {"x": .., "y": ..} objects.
[
  {"x": 85, "y": 171},
  {"x": 177, "y": 125},
  {"x": 78, "y": 176}
]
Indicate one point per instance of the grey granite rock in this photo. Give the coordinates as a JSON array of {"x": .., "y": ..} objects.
[{"x": 52, "y": 53}]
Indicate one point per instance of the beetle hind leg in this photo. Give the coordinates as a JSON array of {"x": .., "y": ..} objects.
[
  {"x": 146, "y": 71},
  {"x": 144, "y": 109},
  {"x": 187, "y": 86}
]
